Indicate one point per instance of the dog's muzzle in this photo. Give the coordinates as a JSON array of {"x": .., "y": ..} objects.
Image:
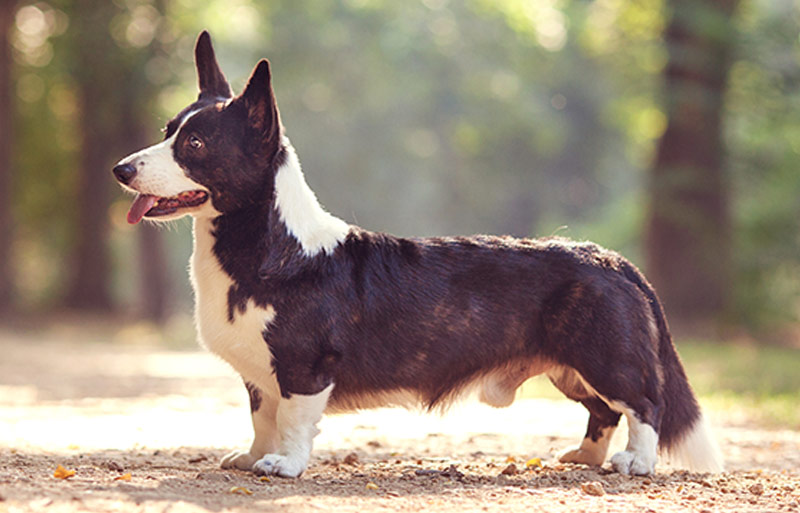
[{"x": 124, "y": 173}]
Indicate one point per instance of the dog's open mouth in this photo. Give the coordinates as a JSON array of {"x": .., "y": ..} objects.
[{"x": 146, "y": 205}]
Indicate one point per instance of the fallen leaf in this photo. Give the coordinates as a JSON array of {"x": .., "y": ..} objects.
[
  {"x": 124, "y": 477},
  {"x": 593, "y": 488},
  {"x": 510, "y": 470},
  {"x": 533, "y": 462},
  {"x": 265, "y": 479},
  {"x": 62, "y": 473},
  {"x": 371, "y": 486},
  {"x": 511, "y": 459},
  {"x": 240, "y": 489}
]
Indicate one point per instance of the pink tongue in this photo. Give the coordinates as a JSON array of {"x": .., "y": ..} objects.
[{"x": 141, "y": 205}]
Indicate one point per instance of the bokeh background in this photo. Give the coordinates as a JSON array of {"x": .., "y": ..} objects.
[{"x": 666, "y": 129}]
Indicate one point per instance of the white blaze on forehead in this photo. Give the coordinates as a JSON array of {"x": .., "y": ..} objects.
[
  {"x": 157, "y": 172},
  {"x": 315, "y": 229}
]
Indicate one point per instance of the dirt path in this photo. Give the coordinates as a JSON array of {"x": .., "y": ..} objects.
[{"x": 143, "y": 429}]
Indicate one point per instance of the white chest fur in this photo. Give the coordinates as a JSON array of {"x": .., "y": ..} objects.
[{"x": 239, "y": 342}]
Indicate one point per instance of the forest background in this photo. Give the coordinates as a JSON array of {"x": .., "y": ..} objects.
[{"x": 668, "y": 130}]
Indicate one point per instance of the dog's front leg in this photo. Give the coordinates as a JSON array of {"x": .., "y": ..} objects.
[
  {"x": 297, "y": 425},
  {"x": 264, "y": 409}
]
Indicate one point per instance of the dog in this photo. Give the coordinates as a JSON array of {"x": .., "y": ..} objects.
[{"x": 318, "y": 315}]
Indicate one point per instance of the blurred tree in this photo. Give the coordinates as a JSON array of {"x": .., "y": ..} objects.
[
  {"x": 7, "y": 10},
  {"x": 422, "y": 118},
  {"x": 154, "y": 284},
  {"x": 137, "y": 104},
  {"x": 98, "y": 76},
  {"x": 763, "y": 140},
  {"x": 112, "y": 46},
  {"x": 688, "y": 231}
]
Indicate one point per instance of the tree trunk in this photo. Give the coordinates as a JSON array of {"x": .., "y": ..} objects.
[
  {"x": 7, "y": 10},
  {"x": 97, "y": 79},
  {"x": 113, "y": 91},
  {"x": 688, "y": 226},
  {"x": 154, "y": 283}
]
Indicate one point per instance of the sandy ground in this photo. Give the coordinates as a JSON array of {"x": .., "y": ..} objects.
[{"x": 144, "y": 429}]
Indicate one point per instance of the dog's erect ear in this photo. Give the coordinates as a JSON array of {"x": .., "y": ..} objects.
[
  {"x": 258, "y": 100},
  {"x": 210, "y": 78}
]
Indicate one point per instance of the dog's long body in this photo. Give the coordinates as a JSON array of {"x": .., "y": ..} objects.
[{"x": 316, "y": 314}]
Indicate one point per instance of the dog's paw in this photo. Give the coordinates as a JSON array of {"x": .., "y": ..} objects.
[
  {"x": 279, "y": 465},
  {"x": 580, "y": 455},
  {"x": 631, "y": 463},
  {"x": 242, "y": 460}
]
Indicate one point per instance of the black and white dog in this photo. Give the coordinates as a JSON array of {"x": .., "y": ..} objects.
[{"x": 318, "y": 315}]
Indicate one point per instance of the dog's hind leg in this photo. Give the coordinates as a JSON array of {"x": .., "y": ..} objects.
[
  {"x": 604, "y": 329},
  {"x": 264, "y": 410},
  {"x": 633, "y": 390},
  {"x": 602, "y": 419}
]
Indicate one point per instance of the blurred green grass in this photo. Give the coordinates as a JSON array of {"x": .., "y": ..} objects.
[{"x": 754, "y": 383}]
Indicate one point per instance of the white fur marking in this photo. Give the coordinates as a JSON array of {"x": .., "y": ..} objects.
[
  {"x": 297, "y": 423},
  {"x": 641, "y": 454},
  {"x": 158, "y": 174},
  {"x": 315, "y": 229},
  {"x": 697, "y": 450},
  {"x": 240, "y": 342}
]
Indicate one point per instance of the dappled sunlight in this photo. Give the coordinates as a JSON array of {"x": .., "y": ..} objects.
[
  {"x": 93, "y": 396},
  {"x": 76, "y": 398}
]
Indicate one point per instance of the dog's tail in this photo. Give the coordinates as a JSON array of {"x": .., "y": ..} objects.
[{"x": 684, "y": 437}]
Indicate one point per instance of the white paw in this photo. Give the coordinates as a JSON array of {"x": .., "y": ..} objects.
[
  {"x": 583, "y": 456},
  {"x": 242, "y": 460},
  {"x": 278, "y": 465},
  {"x": 631, "y": 463}
]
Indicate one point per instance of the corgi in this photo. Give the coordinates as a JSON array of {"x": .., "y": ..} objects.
[{"x": 319, "y": 315}]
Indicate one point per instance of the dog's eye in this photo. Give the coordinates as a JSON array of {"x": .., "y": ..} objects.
[{"x": 195, "y": 142}]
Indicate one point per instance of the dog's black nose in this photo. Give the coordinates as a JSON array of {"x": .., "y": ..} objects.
[{"x": 125, "y": 173}]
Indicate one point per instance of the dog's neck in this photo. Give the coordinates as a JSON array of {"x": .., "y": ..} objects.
[
  {"x": 274, "y": 239},
  {"x": 304, "y": 218}
]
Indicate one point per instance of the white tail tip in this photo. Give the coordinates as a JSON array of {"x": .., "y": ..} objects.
[{"x": 697, "y": 450}]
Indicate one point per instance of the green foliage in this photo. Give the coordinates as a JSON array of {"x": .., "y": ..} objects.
[
  {"x": 760, "y": 381},
  {"x": 763, "y": 140},
  {"x": 426, "y": 117}
]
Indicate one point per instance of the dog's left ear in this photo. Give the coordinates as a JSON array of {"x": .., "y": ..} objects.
[
  {"x": 258, "y": 101},
  {"x": 209, "y": 75}
]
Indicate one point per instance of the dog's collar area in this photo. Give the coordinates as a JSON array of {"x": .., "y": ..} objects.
[{"x": 147, "y": 205}]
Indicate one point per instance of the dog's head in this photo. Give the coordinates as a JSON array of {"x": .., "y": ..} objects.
[{"x": 219, "y": 154}]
